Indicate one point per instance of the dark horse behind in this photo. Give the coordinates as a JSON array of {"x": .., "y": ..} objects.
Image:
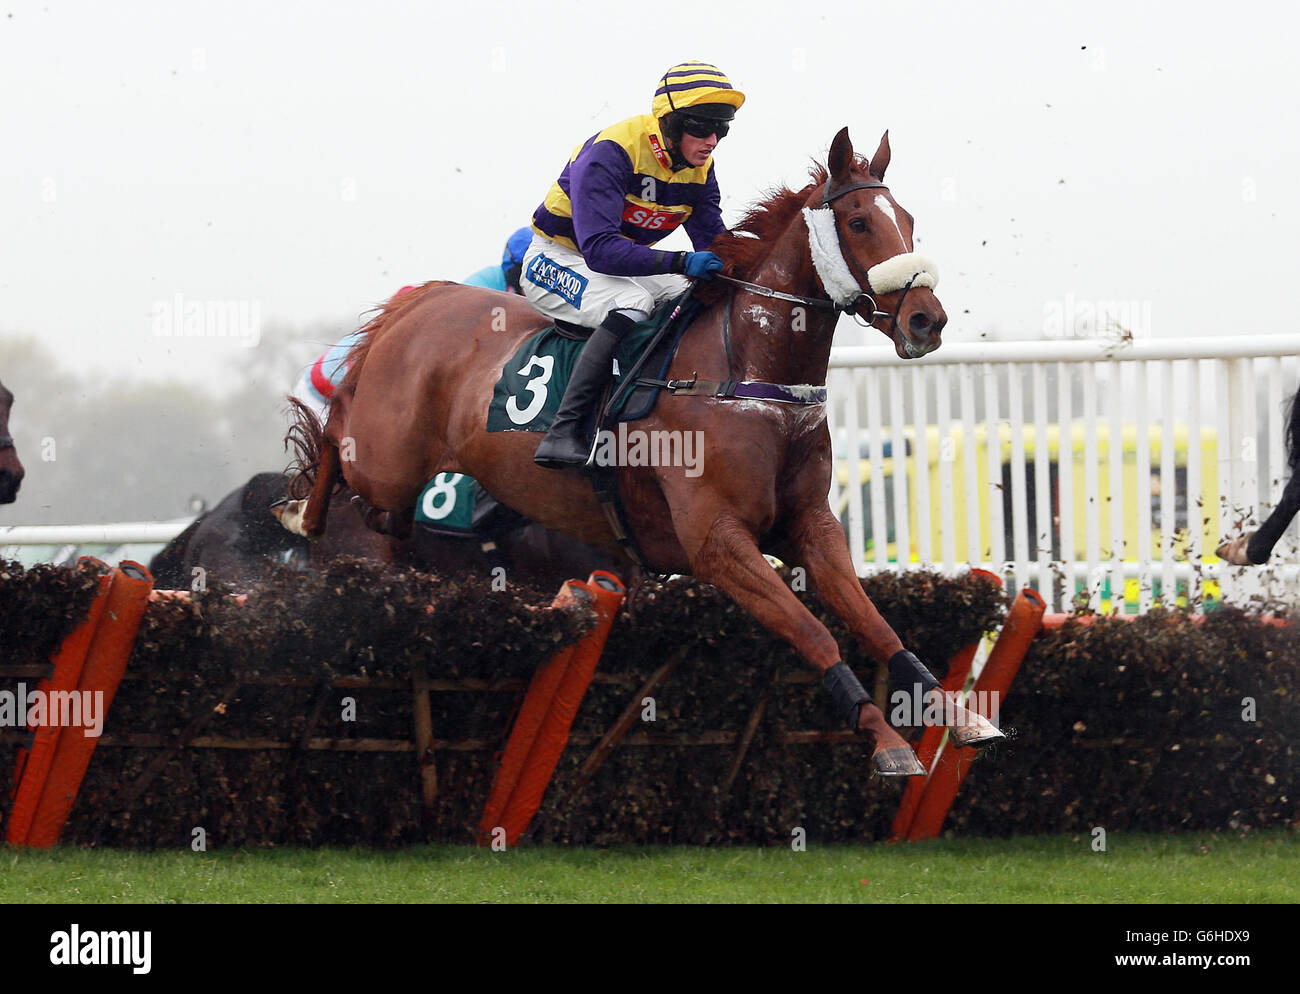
[
  {"x": 415, "y": 403},
  {"x": 238, "y": 542},
  {"x": 1254, "y": 548},
  {"x": 11, "y": 470}
]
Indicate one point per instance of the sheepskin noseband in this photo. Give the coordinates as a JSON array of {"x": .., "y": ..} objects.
[{"x": 884, "y": 277}]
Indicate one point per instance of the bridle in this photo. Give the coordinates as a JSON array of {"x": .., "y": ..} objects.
[{"x": 863, "y": 280}]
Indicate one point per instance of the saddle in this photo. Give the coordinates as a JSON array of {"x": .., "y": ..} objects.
[{"x": 531, "y": 386}]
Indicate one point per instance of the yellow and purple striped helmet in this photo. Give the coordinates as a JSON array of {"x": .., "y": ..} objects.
[{"x": 692, "y": 83}]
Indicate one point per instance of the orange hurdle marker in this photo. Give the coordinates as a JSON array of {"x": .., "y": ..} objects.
[
  {"x": 1022, "y": 626},
  {"x": 34, "y": 765},
  {"x": 528, "y": 722},
  {"x": 106, "y": 659},
  {"x": 958, "y": 671},
  {"x": 541, "y": 730}
]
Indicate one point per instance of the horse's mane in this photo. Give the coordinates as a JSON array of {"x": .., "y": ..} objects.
[
  {"x": 745, "y": 246},
  {"x": 380, "y": 323}
]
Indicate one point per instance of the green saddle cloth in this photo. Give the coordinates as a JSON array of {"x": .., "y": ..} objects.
[{"x": 528, "y": 394}]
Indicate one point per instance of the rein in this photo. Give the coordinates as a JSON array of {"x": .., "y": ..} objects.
[
  {"x": 767, "y": 291},
  {"x": 6, "y": 442}
]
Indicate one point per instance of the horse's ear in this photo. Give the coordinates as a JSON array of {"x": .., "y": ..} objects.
[
  {"x": 840, "y": 161},
  {"x": 880, "y": 161}
]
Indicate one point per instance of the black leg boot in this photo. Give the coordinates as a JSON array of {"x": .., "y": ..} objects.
[{"x": 565, "y": 445}]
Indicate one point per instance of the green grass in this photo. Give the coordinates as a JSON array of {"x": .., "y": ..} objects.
[{"x": 1180, "y": 869}]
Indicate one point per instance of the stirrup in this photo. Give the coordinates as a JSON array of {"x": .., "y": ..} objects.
[{"x": 572, "y": 452}]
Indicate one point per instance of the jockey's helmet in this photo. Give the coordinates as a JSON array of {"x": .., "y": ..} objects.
[
  {"x": 694, "y": 90},
  {"x": 512, "y": 259}
]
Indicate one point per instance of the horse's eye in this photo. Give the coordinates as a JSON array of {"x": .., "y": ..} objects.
[{"x": 858, "y": 225}]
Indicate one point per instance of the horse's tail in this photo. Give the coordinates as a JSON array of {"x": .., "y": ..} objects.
[
  {"x": 372, "y": 330},
  {"x": 306, "y": 439},
  {"x": 1293, "y": 435}
]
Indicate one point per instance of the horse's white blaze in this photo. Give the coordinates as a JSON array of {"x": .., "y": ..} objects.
[
  {"x": 887, "y": 209},
  {"x": 885, "y": 277}
]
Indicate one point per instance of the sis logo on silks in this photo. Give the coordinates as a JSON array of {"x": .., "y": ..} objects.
[
  {"x": 555, "y": 278},
  {"x": 652, "y": 220}
]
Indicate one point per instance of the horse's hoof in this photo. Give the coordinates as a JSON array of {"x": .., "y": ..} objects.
[
  {"x": 290, "y": 515},
  {"x": 967, "y": 728},
  {"x": 970, "y": 728},
  {"x": 1233, "y": 551},
  {"x": 897, "y": 761},
  {"x": 975, "y": 735}
]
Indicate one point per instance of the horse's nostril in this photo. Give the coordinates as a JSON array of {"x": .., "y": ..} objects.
[{"x": 919, "y": 323}]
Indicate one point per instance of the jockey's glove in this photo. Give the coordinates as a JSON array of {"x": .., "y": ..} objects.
[{"x": 698, "y": 265}]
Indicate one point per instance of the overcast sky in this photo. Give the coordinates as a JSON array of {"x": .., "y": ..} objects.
[{"x": 303, "y": 160}]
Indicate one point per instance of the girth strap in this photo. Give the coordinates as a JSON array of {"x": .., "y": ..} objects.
[
  {"x": 604, "y": 481},
  {"x": 780, "y": 393}
]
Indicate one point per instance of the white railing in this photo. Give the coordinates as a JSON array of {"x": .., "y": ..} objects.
[
  {"x": 1201, "y": 421},
  {"x": 130, "y": 533},
  {"x": 1058, "y": 515},
  {"x": 61, "y": 544}
]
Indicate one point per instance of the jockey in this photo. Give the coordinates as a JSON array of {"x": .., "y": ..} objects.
[
  {"x": 317, "y": 385},
  {"x": 624, "y": 189}
]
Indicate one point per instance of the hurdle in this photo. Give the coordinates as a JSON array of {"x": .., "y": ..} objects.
[
  {"x": 927, "y": 801},
  {"x": 91, "y": 659},
  {"x": 541, "y": 730}
]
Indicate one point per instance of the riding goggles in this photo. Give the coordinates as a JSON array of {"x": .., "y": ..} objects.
[{"x": 702, "y": 127}]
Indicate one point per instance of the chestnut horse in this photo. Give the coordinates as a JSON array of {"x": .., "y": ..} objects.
[
  {"x": 11, "y": 470},
  {"x": 416, "y": 400}
]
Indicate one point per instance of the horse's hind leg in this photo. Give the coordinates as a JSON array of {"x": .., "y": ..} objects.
[
  {"x": 819, "y": 543},
  {"x": 318, "y": 504},
  {"x": 307, "y": 516},
  {"x": 728, "y": 557},
  {"x": 318, "y": 454},
  {"x": 395, "y": 524}
]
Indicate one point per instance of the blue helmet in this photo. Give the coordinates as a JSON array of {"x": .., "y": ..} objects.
[{"x": 516, "y": 246}]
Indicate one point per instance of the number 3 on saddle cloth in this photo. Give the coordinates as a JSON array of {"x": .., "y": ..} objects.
[
  {"x": 527, "y": 397},
  {"x": 531, "y": 387},
  {"x": 528, "y": 394}
]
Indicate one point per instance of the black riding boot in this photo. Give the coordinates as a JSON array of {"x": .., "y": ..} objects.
[{"x": 565, "y": 444}]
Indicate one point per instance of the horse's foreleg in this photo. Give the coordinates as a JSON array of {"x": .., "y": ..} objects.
[
  {"x": 819, "y": 543},
  {"x": 728, "y": 557}
]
